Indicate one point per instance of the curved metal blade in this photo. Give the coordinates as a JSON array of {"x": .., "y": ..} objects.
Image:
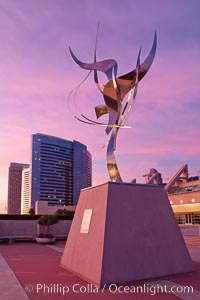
[
  {"x": 145, "y": 66},
  {"x": 105, "y": 66}
]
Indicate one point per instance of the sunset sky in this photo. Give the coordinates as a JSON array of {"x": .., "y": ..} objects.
[{"x": 37, "y": 74}]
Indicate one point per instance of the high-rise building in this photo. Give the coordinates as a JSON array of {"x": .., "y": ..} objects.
[
  {"x": 15, "y": 186},
  {"x": 25, "y": 193},
  {"x": 59, "y": 170}
]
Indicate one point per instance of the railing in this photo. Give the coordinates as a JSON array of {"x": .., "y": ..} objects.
[{"x": 188, "y": 219}]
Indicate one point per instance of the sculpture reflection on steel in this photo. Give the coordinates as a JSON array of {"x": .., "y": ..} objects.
[{"x": 114, "y": 92}]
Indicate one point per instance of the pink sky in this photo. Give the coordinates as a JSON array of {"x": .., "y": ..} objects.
[{"x": 37, "y": 73}]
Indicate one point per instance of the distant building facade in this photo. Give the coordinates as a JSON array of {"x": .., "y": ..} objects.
[
  {"x": 42, "y": 208},
  {"x": 25, "y": 193},
  {"x": 15, "y": 187},
  {"x": 184, "y": 196},
  {"x": 183, "y": 193},
  {"x": 59, "y": 170}
]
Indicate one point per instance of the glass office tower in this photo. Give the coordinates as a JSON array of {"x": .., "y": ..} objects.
[{"x": 59, "y": 170}]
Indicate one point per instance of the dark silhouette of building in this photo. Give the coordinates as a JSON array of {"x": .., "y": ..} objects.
[{"x": 15, "y": 186}]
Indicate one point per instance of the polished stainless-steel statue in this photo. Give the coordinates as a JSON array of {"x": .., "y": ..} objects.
[{"x": 115, "y": 91}]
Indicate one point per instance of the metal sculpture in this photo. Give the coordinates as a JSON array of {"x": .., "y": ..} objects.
[{"x": 114, "y": 92}]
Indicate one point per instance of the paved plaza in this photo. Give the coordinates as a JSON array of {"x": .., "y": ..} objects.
[{"x": 32, "y": 271}]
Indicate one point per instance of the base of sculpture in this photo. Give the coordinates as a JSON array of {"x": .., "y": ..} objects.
[{"x": 124, "y": 233}]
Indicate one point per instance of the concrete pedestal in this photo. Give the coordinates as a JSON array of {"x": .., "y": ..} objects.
[{"x": 123, "y": 233}]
